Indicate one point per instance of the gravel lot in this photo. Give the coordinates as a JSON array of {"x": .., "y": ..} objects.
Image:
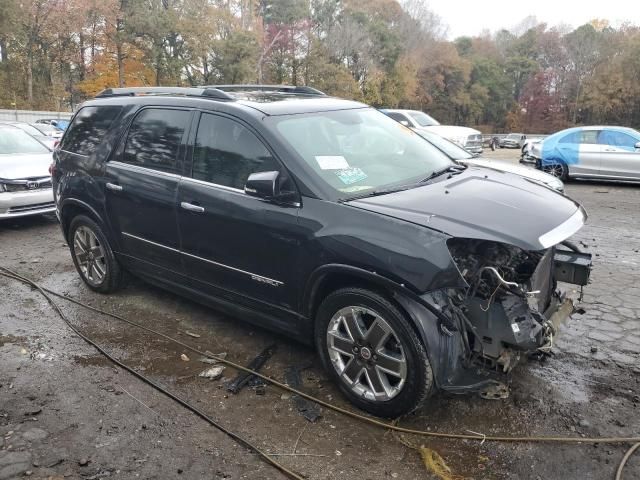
[{"x": 67, "y": 412}]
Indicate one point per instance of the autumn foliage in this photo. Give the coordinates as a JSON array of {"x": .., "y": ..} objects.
[{"x": 56, "y": 53}]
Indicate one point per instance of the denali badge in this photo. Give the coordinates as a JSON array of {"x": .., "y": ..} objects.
[{"x": 268, "y": 281}]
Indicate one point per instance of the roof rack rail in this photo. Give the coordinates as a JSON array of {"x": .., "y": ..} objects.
[
  {"x": 295, "y": 89},
  {"x": 208, "y": 92}
]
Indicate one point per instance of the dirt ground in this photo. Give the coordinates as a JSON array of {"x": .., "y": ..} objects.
[{"x": 66, "y": 412}]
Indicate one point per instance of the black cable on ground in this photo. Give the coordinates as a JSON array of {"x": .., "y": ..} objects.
[
  {"x": 265, "y": 456},
  {"x": 373, "y": 421}
]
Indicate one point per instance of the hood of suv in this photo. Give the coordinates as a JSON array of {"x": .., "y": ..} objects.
[
  {"x": 24, "y": 165},
  {"x": 485, "y": 204}
]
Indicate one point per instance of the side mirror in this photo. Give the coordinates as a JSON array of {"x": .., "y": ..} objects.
[
  {"x": 405, "y": 123},
  {"x": 262, "y": 185},
  {"x": 637, "y": 146}
]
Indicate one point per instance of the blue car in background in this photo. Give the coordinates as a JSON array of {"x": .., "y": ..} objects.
[{"x": 602, "y": 152}]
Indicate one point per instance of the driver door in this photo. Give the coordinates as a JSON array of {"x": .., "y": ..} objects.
[{"x": 238, "y": 247}]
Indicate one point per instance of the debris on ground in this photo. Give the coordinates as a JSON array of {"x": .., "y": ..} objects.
[
  {"x": 436, "y": 464},
  {"x": 307, "y": 409},
  {"x": 212, "y": 373},
  {"x": 191, "y": 334},
  {"x": 213, "y": 361},
  {"x": 184, "y": 358},
  {"x": 256, "y": 364}
]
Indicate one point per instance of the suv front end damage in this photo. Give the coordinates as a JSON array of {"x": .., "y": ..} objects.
[{"x": 510, "y": 310}]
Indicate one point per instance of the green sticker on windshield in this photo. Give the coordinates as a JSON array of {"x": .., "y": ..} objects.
[{"x": 351, "y": 175}]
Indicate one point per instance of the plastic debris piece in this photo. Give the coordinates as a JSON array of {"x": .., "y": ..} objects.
[
  {"x": 307, "y": 409},
  {"x": 184, "y": 358},
  {"x": 212, "y": 373},
  {"x": 213, "y": 361},
  {"x": 191, "y": 334},
  {"x": 256, "y": 364}
]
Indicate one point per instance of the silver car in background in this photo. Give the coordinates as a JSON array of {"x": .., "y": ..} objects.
[
  {"x": 25, "y": 181},
  {"x": 460, "y": 155},
  {"x": 48, "y": 141},
  {"x": 594, "y": 152}
]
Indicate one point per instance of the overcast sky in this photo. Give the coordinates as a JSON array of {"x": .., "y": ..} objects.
[{"x": 471, "y": 17}]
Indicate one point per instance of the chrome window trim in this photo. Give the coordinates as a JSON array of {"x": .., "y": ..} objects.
[
  {"x": 139, "y": 169},
  {"x": 152, "y": 243},
  {"x": 210, "y": 184},
  {"x": 254, "y": 276},
  {"x": 229, "y": 189},
  {"x": 564, "y": 230}
]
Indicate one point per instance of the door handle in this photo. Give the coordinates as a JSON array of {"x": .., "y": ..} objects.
[
  {"x": 114, "y": 187},
  {"x": 609, "y": 149},
  {"x": 191, "y": 207}
]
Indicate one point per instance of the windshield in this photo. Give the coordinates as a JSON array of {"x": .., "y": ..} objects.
[
  {"x": 14, "y": 140},
  {"x": 423, "y": 119},
  {"x": 360, "y": 150},
  {"x": 452, "y": 150},
  {"x": 45, "y": 128},
  {"x": 30, "y": 129},
  {"x": 514, "y": 136}
]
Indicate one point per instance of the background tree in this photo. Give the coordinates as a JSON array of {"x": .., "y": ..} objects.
[{"x": 388, "y": 53}]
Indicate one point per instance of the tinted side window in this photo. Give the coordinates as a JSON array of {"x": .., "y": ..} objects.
[
  {"x": 226, "y": 153},
  {"x": 573, "y": 137},
  {"x": 398, "y": 117},
  {"x": 154, "y": 139},
  {"x": 589, "y": 136},
  {"x": 618, "y": 139},
  {"x": 88, "y": 129}
]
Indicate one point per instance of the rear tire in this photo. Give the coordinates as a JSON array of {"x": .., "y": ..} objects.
[
  {"x": 370, "y": 350},
  {"x": 92, "y": 256}
]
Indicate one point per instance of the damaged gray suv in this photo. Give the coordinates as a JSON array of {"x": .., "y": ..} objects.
[{"x": 325, "y": 220}]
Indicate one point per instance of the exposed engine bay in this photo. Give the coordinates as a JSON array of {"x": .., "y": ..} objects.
[{"x": 505, "y": 311}]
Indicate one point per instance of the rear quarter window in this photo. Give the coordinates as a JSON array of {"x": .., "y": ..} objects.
[{"x": 88, "y": 128}]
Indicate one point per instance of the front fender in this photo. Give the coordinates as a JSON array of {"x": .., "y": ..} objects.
[{"x": 321, "y": 274}]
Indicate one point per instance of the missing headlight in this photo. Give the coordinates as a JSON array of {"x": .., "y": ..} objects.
[{"x": 487, "y": 265}]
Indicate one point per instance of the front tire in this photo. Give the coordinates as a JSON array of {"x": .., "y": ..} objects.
[
  {"x": 92, "y": 256},
  {"x": 557, "y": 169},
  {"x": 371, "y": 351}
]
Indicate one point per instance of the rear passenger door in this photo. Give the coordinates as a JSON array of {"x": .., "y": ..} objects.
[
  {"x": 141, "y": 182},
  {"x": 238, "y": 247}
]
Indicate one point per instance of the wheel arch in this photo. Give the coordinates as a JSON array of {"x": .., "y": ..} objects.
[
  {"x": 73, "y": 207},
  {"x": 332, "y": 277}
]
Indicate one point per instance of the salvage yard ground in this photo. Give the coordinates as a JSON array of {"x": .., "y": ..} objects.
[{"x": 65, "y": 411}]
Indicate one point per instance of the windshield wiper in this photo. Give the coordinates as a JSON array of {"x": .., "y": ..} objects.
[
  {"x": 376, "y": 193},
  {"x": 451, "y": 169}
]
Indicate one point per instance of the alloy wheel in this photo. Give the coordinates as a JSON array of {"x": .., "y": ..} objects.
[
  {"x": 366, "y": 353},
  {"x": 554, "y": 169},
  {"x": 90, "y": 255}
]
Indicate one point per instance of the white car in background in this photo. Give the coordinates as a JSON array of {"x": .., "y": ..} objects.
[
  {"x": 50, "y": 142},
  {"x": 468, "y": 138},
  {"x": 454, "y": 152},
  {"x": 25, "y": 181}
]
